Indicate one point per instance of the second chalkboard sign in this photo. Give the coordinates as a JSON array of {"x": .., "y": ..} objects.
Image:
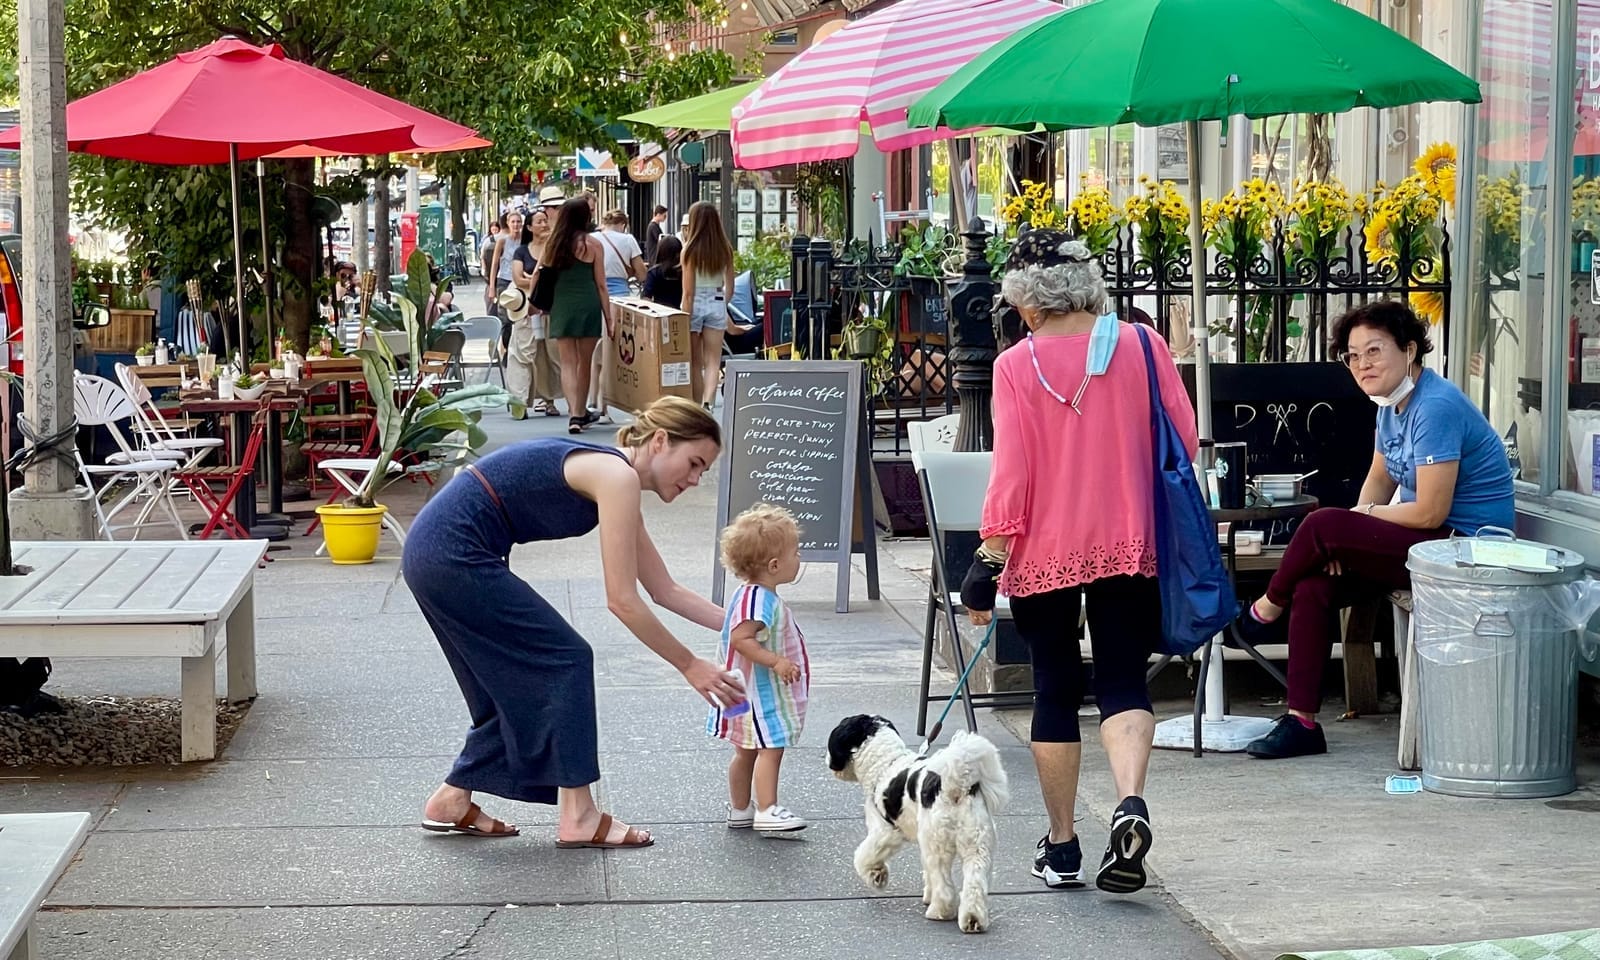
[{"x": 792, "y": 437}]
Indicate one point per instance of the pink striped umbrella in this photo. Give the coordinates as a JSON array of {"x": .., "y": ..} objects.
[{"x": 870, "y": 72}]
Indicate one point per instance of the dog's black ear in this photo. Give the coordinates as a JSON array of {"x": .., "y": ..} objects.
[{"x": 847, "y": 738}]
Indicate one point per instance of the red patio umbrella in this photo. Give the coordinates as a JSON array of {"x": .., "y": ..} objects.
[{"x": 232, "y": 100}]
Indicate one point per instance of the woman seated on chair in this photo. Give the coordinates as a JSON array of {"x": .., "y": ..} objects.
[{"x": 1450, "y": 468}]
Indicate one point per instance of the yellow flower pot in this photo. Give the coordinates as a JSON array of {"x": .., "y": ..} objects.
[{"x": 351, "y": 533}]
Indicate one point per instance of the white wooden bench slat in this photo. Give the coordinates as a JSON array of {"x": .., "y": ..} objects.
[
  {"x": 63, "y": 584},
  {"x": 121, "y": 584},
  {"x": 177, "y": 572},
  {"x": 35, "y": 849},
  {"x": 198, "y": 582}
]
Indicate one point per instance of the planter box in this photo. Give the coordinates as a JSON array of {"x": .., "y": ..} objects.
[{"x": 128, "y": 331}]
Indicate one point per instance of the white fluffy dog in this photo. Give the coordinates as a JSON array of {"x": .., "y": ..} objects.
[{"x": 945, "y": 803}]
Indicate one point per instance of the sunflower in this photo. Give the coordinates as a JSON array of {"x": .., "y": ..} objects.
[
  {"x": 1428, "y": 306},
  {"x": 1437, "y": 166}
]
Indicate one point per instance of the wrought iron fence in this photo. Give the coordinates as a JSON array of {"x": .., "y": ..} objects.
[{"x": 1280, "y": 303}]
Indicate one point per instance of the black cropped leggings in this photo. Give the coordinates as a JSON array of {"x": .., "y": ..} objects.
[{"x": 1124, "y": 623}]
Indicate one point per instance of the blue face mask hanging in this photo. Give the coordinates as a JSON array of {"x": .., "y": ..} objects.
[{"x": 1102, "y": 344}]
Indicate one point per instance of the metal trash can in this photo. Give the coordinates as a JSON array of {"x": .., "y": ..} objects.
[{"x": 1498, "y": 673}]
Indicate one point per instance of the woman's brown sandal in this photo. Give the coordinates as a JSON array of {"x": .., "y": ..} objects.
[
  {"x": 468, "y": 824},
  {"x": 633, "y": 837}
]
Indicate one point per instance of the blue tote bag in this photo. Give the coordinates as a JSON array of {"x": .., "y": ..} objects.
[{"x": 1197, "y": 598}]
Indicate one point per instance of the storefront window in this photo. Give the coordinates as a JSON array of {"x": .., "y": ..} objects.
[
  {"x": 1581, "y": 289},
  {"x": 1504, "y": 286}
]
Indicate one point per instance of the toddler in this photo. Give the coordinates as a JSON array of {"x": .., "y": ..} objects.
[{"x": 761, "y": 640}]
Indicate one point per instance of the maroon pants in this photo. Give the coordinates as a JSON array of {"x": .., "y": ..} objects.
[{"x": 1371, "y": 554}]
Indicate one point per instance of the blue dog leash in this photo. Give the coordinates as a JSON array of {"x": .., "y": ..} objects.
[{"x": 961, "y": 684}]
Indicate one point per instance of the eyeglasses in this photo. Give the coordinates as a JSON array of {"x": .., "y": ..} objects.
[{"x": 1364, "y": 358}]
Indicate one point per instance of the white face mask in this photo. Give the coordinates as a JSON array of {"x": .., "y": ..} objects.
[{"x": 1400, "y": 393}]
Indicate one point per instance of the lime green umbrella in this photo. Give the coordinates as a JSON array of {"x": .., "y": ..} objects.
[
  {"x": 709, "y": 111},
  {"x": 1153, "y": 62}
]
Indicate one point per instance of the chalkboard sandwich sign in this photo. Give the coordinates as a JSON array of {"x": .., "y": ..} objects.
[{"x": 794, "y": 438}]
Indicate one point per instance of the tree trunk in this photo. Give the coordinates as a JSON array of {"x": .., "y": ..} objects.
[
  {"x": 299, "y": 254},
  {"x": 1319, "y": 147},
  {"x": 380, "y": 247},
  {"x": 458, "y": 209}
]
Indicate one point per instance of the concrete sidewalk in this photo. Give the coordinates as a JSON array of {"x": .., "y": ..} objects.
[
  {"x": 1313, "y": 854},
  {"x": 302, "y": 839}
]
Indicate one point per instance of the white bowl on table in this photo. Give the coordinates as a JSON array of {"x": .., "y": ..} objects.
[{"x": 249, "y": 393}]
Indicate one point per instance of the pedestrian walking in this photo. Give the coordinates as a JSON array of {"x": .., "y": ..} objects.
[
  {"x": 1073, "y": 400},
  {"x": 707, "y": 283},
  {"x": 581, "y": 310},
  {"x": 533, "y": 374},
  {"x": 527, "y": 676}
]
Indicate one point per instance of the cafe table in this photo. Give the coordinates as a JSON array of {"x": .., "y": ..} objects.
[
  {"x": 241, "y": 412},
  {"x": 1212, "y": 728}
]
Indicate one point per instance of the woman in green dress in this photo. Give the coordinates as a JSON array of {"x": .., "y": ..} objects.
[{"x": 581, "y": 308}]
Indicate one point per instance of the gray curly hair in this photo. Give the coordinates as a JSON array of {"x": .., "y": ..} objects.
[{"x": 1069, "y": 285}]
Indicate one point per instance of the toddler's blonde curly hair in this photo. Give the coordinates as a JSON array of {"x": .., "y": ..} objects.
[{"x": 755, "y": 537}]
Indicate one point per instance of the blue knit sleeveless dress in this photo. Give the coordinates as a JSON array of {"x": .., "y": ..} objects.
[{"x": 526, "y": 674}]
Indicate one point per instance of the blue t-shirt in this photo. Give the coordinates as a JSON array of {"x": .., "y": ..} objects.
[{"x": 1439, "y": 424}]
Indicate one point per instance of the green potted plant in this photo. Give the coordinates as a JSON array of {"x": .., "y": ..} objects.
[
  {"x": 247, "y": 386},
  {"x": 145, "y": 355},
  {"x": 868, "y": 336},
  {"x": 418, "y": 425},
  {"x": 924, "y": 257}
]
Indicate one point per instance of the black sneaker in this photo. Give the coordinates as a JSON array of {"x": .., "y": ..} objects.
[
  {"x": 1289, "y": 738},
  {"x": 1122, "y": 868},
  {"x": 1059, "y": 865},
  {"x": 1245, "y": 628}
]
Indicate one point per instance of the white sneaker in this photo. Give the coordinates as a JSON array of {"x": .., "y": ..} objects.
[
  {"x": 778, "y": 819},
  {"x": 741, "y": 819}
]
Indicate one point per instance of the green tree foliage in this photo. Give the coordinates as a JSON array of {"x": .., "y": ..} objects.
[{"x": 536, "y": 79}]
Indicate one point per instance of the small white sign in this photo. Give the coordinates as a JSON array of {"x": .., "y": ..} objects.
[
  {"x": 675, "y": 374},
  {"x": 1589, "y": 365},
  {"x": 747, "y": 201},
  {"x": 771, "y": 200},
  {"x": 1594, "y": 277}
]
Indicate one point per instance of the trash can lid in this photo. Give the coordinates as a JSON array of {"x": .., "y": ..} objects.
[{"x": 1448, "y": 560}]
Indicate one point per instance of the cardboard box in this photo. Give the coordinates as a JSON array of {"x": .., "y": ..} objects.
[{"x": 649, "y": 354}]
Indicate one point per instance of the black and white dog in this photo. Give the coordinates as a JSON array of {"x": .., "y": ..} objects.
[{"x": 945, "y": 803}]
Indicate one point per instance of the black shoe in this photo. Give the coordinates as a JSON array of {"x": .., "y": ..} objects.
[
  {"x": 1122, "y": 868},
  {"x": 1245, "y": 628},
  {"x": 1289, "y": 738},
  {"x": 1059, "y": 865}
]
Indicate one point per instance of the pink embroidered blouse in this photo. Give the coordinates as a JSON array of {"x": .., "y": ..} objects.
[{"x": 1074, "y": 493}]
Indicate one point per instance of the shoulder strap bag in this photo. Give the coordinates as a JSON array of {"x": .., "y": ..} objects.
[{"x": 1197, "y": 599}]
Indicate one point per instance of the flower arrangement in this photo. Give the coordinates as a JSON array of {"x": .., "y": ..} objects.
[
  {"x": 1403, "y": 220},
  {"x": 1242, "y": 220},
  {"x": 1162, "y": 216},
  {"x": 1035, "y": 206},
  {"x": 1502, "y": 207},
  {"x": 1093, "y": 218},
  {"x": 1322, "y": 210}
]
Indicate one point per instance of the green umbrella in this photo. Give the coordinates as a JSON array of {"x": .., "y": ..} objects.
[
  {"x": 709, "y": 111},
  {"x": 1153, "y": 62}
]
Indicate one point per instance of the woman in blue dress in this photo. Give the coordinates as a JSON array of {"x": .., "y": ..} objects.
[{"x": 526, "y": 674}]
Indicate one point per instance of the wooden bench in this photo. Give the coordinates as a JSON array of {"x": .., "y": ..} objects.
[
  {"x": 151, "y": 599},
  {"x": 35, "y": 849}
]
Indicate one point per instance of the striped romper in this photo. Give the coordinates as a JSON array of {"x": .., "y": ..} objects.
[{"x": 777, "y": 709}]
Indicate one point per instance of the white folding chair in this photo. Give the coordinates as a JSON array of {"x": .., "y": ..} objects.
[
  {"x": 953, "y": 487},
  {"x": 160, "y": 435},
  {"x": 938, "y": 434},
  {"x": 97, "y": 402},
  {"x": 481, "y": 351}
]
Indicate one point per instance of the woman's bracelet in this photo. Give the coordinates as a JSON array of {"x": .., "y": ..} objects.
[{"x": 991, "y": 556}]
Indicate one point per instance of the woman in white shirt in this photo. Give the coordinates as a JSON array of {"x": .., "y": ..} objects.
[{"x": 624, "y": 262}]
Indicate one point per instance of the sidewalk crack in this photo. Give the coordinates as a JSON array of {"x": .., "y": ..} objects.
[{"x": 462, "y": 947}]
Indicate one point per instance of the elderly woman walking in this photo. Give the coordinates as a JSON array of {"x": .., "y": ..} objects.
[
  {"x": 533, "y": 375},
  {"x": 1069, "y": 519}
]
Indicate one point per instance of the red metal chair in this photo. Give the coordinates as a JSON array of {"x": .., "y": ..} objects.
[{"x": 203, "y": 481}]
